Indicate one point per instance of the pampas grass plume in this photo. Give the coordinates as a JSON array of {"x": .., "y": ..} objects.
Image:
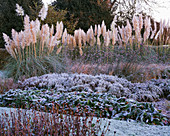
[
  {"x": 6, "y": 39},
  {"x": 128, "y": 30},
  {"x": 81, "y": 51},
  {"x": 102, "y": 26},
  {"x": 19, "y": 10},
  {"x": 154, "y": 31},
  {"x": 140, "y": 22},
  {"x": 107, "y": 39},
  {"x": 95, "y": 30},
  {"x": 74, "y": 42},
  {"x": 98, "y": 41},
  {"x": 99, "y": 30},
  {"x": 79, "y": 39},
  {"x": 26, "y": 23},
  {"x": 59, "y": 50},
  {"x": 43, "y": 12},
  {"x": 51, "y": 31},
  {"x": 104, "y": 31},
  {"x": 64, "y": 36},
  {"x": 88, "y": 36},
  {"x": 83, "y": 37}
]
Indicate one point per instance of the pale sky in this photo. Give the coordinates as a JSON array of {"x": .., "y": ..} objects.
[{"x": 161, "y": 12}]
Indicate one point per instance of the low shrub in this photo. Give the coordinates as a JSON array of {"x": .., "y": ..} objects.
[{"x": 85, "y": 104}]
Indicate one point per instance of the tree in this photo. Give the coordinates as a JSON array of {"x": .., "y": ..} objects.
[
  {"x": 9, "y": 18},
  {"x": 87, "y": 12},
  {"x": 125, "y": 9},
  {"x": 53, "y": 16}
]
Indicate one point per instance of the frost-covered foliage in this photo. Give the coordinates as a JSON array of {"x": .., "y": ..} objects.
[
  {"x": 85, "y": 103},
  {"x": 100, "y": 83},
  {"x": 164, "y": 84}
]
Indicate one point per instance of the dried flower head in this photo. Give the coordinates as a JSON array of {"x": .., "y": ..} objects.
[
  {"x": 98, "y": 41},
  {"x": 43, "y": 12},
  {"x": 140, "y": 22},
  {"x": 59, "y": 50},
  {"x": 154, "y": 31},
  {"x": 99, "y": 30},
  {"x": 81, "y": 51},
  {"x": 95, "y": 30},
  {"x": 19, "y": 10}
]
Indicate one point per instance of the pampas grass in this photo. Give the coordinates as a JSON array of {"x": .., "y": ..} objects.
[
  {"x": 38, "y": 41},
  {"x": 35, "y": 39}
]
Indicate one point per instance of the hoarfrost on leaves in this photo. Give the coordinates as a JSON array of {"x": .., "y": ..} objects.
[{"x": 101, "y": 83}]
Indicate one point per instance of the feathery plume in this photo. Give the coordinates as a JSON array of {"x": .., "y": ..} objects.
[
  {"x": 37, "y": 26},
  {"x": 68, "y": 39},
  {"x": 119, "y": 40},
  {"x": 83, "y": 37},
  {"x": 88, "y": 36},
  {"x": 91, "y": 32},
  {"x": 135, "y": 21},
  {"x": 19, "y": 10},
  {"x": 102, "y": 26},
  {"x": 22, "y": 39},
  {"x": 51, "y": 31},
  {"x": 33, "y": 31},
  {"x": 107, "y": 39},
  {"x": 99, "y": 30},
  {"x": 76, "y": 33},
  {"x": 128, "y": 31},
  {"x": 98, "y": 41},
  {"x": 64, "y": 36},
  {"x": 6, "y": 39},
  {"x": 59, "y": 29},
  {"x": 79, "y": 39},
  {"x": 59, "y": 50},
  {"x": 147, "y": 29},
  {"x": 104, "y": 31},
  {"x": 154, "y": 31},
  {"x": 113, "y": 37},
  {"x": 113, "y": 24},
  {"x": 81, "y": 51},
  {"x": 74, "y": 42},
  {"x": 43, "y": 12},
  {"x": 95, "y": 30},
  {"x": 26, "y": 23},
  {"x": 140, "y": 22}
]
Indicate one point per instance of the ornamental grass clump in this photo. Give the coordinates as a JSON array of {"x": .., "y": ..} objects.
[
  {"x": 39, "y": 49},
  {"x": 32, "y": 49}
]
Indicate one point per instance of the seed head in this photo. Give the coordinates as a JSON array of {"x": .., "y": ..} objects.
[
  {"x": 43, "y": 12},
  {"x": 19, "y": 10}
]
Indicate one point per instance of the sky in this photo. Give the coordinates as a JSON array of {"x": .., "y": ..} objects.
[{"x": 160, "y": 12}]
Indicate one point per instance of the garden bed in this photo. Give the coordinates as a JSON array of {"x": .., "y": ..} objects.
[{"x": 122, "y": 128}]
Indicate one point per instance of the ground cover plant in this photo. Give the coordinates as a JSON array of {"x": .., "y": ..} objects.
[
  {"x": 146, "y": 92},
  {"x": 85, "y": 103}
]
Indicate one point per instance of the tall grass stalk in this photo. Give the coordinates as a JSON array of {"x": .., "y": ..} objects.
[{"x": 37, "y": 42}]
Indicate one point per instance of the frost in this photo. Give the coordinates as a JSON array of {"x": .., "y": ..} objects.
[{"x": 148, "y": 91}]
